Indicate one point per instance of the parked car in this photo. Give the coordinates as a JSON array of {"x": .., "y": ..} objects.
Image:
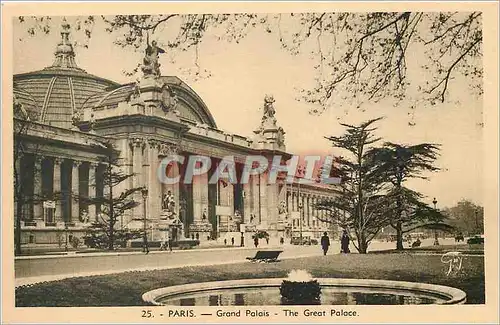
[
  {"x": 476, "y": 239},
  {"x": 305, "y": 241}
]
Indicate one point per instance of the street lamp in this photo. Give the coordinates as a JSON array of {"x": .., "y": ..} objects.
[
  {"x": 66, "y": 235},
  {"x": 436, "y": 241},
  {"x": 182, "y": 212},
  {"x": 144, "y": 192}
]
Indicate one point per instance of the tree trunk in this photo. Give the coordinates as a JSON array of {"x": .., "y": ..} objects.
[
  {"x": 111, "y": 210},
  {"x": 362, "y": 245},
  {"x": 17, "y": 231},
  {"x": 111, "y": 238},
  {"x": 399, "y": 236}
]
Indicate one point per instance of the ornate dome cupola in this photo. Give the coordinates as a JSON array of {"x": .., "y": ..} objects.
[
  {"x": 58, "y": 91},
  {"x": 64, "y": 55}
]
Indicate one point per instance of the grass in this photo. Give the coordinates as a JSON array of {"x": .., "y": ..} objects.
[
  {"x": 37, "y": 251},
  {"x": 440, "y": 249},
  {"x": 126, "y": 289}
]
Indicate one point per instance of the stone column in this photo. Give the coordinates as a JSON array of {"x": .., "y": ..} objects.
[
  {"x": 321, "y": 224},
  {"x": 306, "y": 209},
  {"x": 289, "y": 201},
  {"x": 323, "y": 216},
  {"x": 226, "y": 195},
  {"x": 75, "y": 191},
  {"x": 254, "y": 179},
  {"x": 303, "y": 212},
  {"x": 316, "y": 213},
  {"x": 311, "y": 211},
  {"x": 137, "y": 146},
  {"x": 37, "y": 179},
  {"x": 200, "y": 197},
  {"x": 263, "y": 199},
  {"x": 172, "y": 171},
  {"x": 125, "y": 164},
  {"x": 57, "y": 189},
  {"x": 247, "y": 202},
  {"x": 145, "y": 176},
  {"x": 273, "y": 199},
  {"x": 92, "y": 190},
  {"x": 154, "y": 185}
]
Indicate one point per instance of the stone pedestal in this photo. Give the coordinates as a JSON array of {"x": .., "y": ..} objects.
[
  {"x": 171, "y": 226},
  {"x": 200, "y": 230}
]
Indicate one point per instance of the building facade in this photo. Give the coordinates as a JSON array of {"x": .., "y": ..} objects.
[{"x": 71, "y": 111}]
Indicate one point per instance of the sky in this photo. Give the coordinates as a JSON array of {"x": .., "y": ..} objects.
[{"x": 242, "y": 74}]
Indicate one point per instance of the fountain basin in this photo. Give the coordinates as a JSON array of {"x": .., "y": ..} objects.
[{"x": 334, "y": 292}]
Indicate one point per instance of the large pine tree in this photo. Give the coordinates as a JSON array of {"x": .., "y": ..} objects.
[
  {"x": 358, "y": 205},
  {"x": 396, "y": 165},
  {"x": 113, "y": 205}
]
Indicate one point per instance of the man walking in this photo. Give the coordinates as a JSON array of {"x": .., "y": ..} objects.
[
  {"x": 170, "y": 243},
  {"x": 344, "y": 243},
  {"x": 325, "y": 243}
]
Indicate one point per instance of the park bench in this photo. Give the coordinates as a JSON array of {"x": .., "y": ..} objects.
[
  {"x": 416, "y": 244},
  {"x": 265, "y": 256}
]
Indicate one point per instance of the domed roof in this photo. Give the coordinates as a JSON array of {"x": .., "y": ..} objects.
[
  {"x": 56, "y": 92},
  {"x": 190, "y": 106},
  {"x": 27, "y": 106}
]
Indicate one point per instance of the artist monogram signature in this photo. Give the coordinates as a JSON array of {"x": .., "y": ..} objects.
[{"x": 454, "y": 260}]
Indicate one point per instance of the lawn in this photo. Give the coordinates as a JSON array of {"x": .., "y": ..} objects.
[
  {"x": 126, "y": 289},
  {"x": 440, "y": 249}
]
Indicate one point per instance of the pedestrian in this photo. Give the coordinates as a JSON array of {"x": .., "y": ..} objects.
[
  {"x": 145, "y": 247},
  {"x": 225, "y": 241},
  {"x": 232, "y": 241},
  {"x": 325, "y": 243},
  {"x": 170, "y": 244},
  {"x": 267, "y": 240},
  {"x": 282, "y": 241},
  {"x": 256, "y": 241},
  {"x": 344, "y": 243},
  {"x": 163, "y": 244},
  {"x": 242, "y": 242}
]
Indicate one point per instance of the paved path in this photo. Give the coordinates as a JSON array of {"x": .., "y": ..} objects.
[{"x": 29, "y": 270}]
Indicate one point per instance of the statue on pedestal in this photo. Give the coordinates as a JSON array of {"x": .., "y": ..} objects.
[
  {"x": 237, "y": 216},
  {"x": 150, "y": 66},
  {"x": 92, "y": 123},
  {"x": 282, "y": 208},
  {"x": 84, "y": 216},
  {"x": 168, "y": 202},
  {"x": 268, "y": 129},
  {"x": 204, "y": 215},
  {"x": 269, "y": 110}
]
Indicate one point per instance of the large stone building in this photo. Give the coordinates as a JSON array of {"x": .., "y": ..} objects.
[{"x": 72, "y": 111}]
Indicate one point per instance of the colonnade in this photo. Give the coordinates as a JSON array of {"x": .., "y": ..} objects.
[{"x": 60, "y": 183}]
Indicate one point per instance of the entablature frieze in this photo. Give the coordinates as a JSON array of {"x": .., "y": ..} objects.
[
  {"x": 73, "y": 154},
  {"x": 210, "y": 150},
  {"x": 168, "y": 149},
  {"x": 311, "y": 190}
]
